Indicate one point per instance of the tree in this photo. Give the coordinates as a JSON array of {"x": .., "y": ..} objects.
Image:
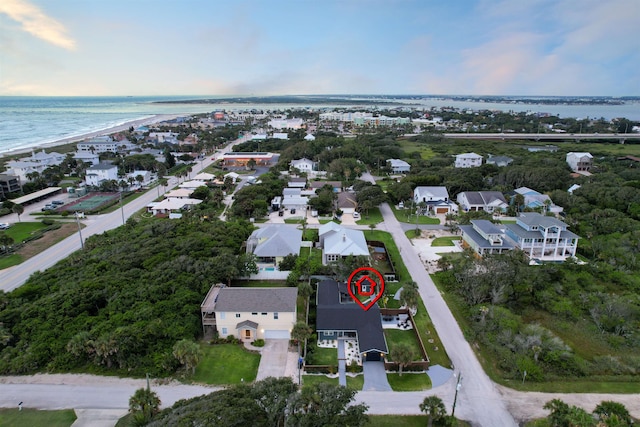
[
  {"x": 169, "y": 160},
  {"x": 402, "y": 354},
  {"x": 272, "y": 395},
  {"x": 563, "y": 415},
  {"x": 140, "y": 179},
  {"x": 410, "y": 296},
  {"x": 202, "y": 193},
  {"x": 288, "y": 262},
  {"x": 305, "y": 290},
  {"x": 18, "y": 209},
  {"x": 613, "y": 414},
  {"x": 188, "y": 353},
  {"x": 144, "y": 405},
  {"x": 301, "y": 331},
  {"x": 325, "y": 404},
  {"x": 6, "y": 242},
  {"x": 434, "y": 408},
  {"x": 251, "y": 164}
]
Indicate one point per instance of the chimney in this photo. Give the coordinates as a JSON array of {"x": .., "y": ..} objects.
[{"x": 344, "y": 237}]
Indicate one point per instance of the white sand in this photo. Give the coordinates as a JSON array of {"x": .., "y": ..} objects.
[{"x": 135, "y": 123}]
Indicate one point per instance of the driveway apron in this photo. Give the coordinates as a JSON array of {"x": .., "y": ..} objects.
[
  {"x": 274, "y": 359},
  {"x": 375, "y": 377}
]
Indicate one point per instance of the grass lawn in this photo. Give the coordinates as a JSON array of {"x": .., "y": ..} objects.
[
  {"x": 354, "y": 383},
  {"x": 294, "y": 220},
  {"x": 226, "y": 364},
  {"x": 21, "y": 230},
  {"x": 10, "y": 261},
  {"x": 404, "y": 215},
  {"x": 405, "y": 421},
  {"x": 445, "y": 241},
  {"x": 412, "y": 146},
  {"x": 411, "y": 234},
  {"x": 310, "y": 234},
  {"x": 397, "y": 336},
  {"x": 409, "y": 381},
  {"x": 34, "y": 417},
  {"x": 372, "y": 217},
  {"x": 322, "y": 355},
  {"x": 428, "y": 332}
]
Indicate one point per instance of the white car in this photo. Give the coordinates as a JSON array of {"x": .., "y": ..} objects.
[
  {"x": 356, "y": 215},
  {"x": 4, "y": 225}
]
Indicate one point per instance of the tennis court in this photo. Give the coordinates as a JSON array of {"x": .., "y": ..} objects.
[{"x": 91, "y": 202}]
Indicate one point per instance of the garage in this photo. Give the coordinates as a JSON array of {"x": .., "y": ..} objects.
[
  {"x": 275, "y": 334},
  {"x": 442, "y": 210}
]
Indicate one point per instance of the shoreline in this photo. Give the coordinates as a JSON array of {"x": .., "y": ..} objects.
[{"x": 156, "y": 118}]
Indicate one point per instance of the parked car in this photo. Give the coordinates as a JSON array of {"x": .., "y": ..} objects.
[
  {"x": 293, "y": 210},
  {"x": 4, "y": 225},
  {"x": 49, "y": 208},
  {"x": 356, "y": 215},
  {"x": 57, "y": 203}
]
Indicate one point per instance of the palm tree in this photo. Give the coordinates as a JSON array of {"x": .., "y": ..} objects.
[
  {"x": 409, "y": 295},
  {"x": 305, "y": 290},
  {"x": 301, "y": 332},
  {"x": 188, "y": 353},
  {"x": 143, "y": 405},
  {"x": 434, "y": 408},
  {"x": 18, "y": 209},
  {"x": 402, "y": 354}
]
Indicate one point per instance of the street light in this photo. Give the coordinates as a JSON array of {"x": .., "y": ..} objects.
[{"x": 455, "y": 397}]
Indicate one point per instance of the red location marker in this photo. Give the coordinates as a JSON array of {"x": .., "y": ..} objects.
[{"x": 367, "y": 285}]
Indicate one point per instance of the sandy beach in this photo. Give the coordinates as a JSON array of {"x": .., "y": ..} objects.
[{"x": 124, "y": 126}]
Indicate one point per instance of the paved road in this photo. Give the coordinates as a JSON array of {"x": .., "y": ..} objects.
[{"x": 478, "y": 398}]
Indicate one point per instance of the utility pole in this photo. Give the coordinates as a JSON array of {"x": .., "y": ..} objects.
[
  {"x": 79, "y": 231},
  {"x": 121, "y": 208},
  {"x": 455, "y": 397}
]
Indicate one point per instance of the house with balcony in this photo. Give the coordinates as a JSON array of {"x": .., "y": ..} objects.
[
  {"x": 433, "y": 200},
  {"x": 398, "y": 166},
  {"x": 338, "y": 242},
  {"x": 485, "y": 238},
  {"x": 100, "y": 144},
  {"x": 468, "y": 160},
  {"x": 339, "y": 318},
  {"x": 272, "y": 243},
  {"x": 488, "y": 201},
  {"x": 536, "y": 200},
  {"x": 249, "y": 313},
  {"x": 96, "y": 174},
  {"x": 580, "y": 162},
  {"x": 542, "y": 238}
]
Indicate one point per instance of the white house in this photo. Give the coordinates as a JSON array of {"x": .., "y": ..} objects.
[
  {"x": 303, "y": 165},
  {"x": 146, "y": 177},
  {"x": 489, "y": 201},
  {"x": 398, "y": 166},
  {"x": 172, "y": 204},
  {"x": 180, "y": 193},
  {"x": 101, "y": 172},
  {"x": 272, "y": 243},
  {"x": 100, "y": 144},
  {"x": 309, "y": 137},
  {"x": 21, "y": 169},
  {"x": 468, "y": 160},
  {"x": 435, "y": 199},
  {"x": 338, "y": 242},
  {"x": 580, "y": 162},
  {"x": 250, "y": 313},
  {"x": 280, "y": 135},
  {"x": 296, "y": 123},
  {"x": 485, "y": 238},
  {"x": 87, "y": 157},
  {"x": 543, "y": 238},
  {"x": 535, "y": 200}
]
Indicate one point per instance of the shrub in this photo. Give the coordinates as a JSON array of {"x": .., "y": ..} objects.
[
  {"x": 48, "y": 221},
  {"x": 258, "y": 343}
]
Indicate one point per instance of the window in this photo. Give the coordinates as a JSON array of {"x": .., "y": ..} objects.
[
  {"x": 275, "y": 315},
  {"x": 224, "y": 331},
  {"x": 222, "y": 315},
  {"x": 254, "y": 314},
  {"x": 237, "y": 314},
  {"x": 264, "y": 314}
]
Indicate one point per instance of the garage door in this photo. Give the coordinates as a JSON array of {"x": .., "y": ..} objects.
[
  {"x": 276, "y": 334},
  {"x": 442, "y": 210}
]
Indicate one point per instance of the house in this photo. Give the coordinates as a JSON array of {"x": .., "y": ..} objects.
[
  {"x": 435, "y": 200},
  {"x": 500, "y": 161},
  {"x": 9, "y": 184},
  {"x": 292, "y": 198},
  {"x": 87, "y": 157},
  {"x": 338, "y": 242},
  {"x": 398, "y": 166},
  {"x": 280, "y": 135},
  {"x": 234, "y": 176},
  {"x": 237, "y": 159},
  {"x": 488, "y": 201},
  {"x": 100, "y": 144},
  {"x": 580, "y": 162},
  {"x": 336, "y": 185},
  {"x": 303, "y": 165},
  {"x": 172, "y": 204},
  {"x": 339, "y": 317},
  {"x": 542, "y": 237},
  {"x": 23, "y": 169},
  {"x": 180, "y": 193},
  {"x": 485, "y": 238},
  {"x": 300, "y": 183},
  {"x": 101, "y": 172},
  {"x": 146, "y": 177},
  {"x": 204, "y": 176},
  {"x": 309, "y": 137},
  {"x": 272, "y": 243},
  {"x": 193, "y": 184},
  {"x": 468, "y": 160},
  {"x": 347, "y": 202},
  {"x": 536, "y": 200},
  {"x": 250, "y": 313},
  {"x": 573, "y": 188},
  {"x": 296, "y": 123}
]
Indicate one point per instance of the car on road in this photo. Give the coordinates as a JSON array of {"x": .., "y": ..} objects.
[
  {"x": 4, "y": 226},
  {"x": 57, "y": 203},
  {"x": 49, "y": 208}
]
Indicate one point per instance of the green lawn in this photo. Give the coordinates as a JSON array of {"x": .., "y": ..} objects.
[
  {"x": 33, "y": 417},
  {"x": 397, "y": 336},
  {"x": 411, "y": 234},
  {"x": 404, "y": 215},
  {"x": 428, "y": 333},
  {"x": 21, "y": 230},
  {"x": 294, "y": 220},
  {"x": 10, "y": 261},
  {"x": 412, "y": 146},
  {"x": 354, "y": 383},
  {"x": 226, "y": 364},
  {"x": 405, "y": 421},
  {"x": 310, "y": 234},
  {"x": 321, "y": 355},
  {"x": 445, "y": 241},
  {"x": 372, "y": 217},
  {"x": 409, "y": 381}
]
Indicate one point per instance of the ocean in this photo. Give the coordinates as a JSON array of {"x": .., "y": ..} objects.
[{"x": 27, "y": 122}]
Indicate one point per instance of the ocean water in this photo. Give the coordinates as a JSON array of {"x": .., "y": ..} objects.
[{"x": 27, "y": 122}]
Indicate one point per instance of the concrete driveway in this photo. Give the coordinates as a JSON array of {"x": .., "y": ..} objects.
[
  {"x": 273, "y": 362},
  {"x": 375, "y": 377}
]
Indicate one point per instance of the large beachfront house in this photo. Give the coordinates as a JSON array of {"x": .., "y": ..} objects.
[
  {"x": 543, "y": 238},
  {"x": 95, "y": 175},
  {"x": 339, "y": 317},
  {"x": 249, "y": 313},
  {"x": 485, "y": 238}
]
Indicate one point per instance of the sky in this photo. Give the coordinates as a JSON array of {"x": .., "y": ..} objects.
[{"x": 290, "y": 47}]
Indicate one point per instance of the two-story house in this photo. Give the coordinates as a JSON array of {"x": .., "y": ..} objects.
[
  {"x": 484, "y": 237},
  {"x": 468, "y": 160},
  {"x": 101, "y": 172},
  {"x": 303, "y": 165},
  {"x": 250, "y": 313},
  {"x": 433, "y": 199},
  {"x": 542, "y": 237},
  {"x": 580, "y": 162},
  {"x": 398, "y": 166}
]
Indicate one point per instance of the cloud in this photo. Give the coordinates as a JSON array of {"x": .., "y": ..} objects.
[{"x": 35, "y": 22}]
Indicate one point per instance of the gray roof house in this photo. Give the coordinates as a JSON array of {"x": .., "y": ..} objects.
[
  {"x": 273, "y": 242},
  {"x": 484, "y": 237},
  {"x": 250, "y": 313},
  {"x": 399, "y": 166},
  {"x": 543, "y": 238},
  {"x": 489, "y": 201},
  {"x": 338, "y": 242},
  {"x": 338, "y": 316}
]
